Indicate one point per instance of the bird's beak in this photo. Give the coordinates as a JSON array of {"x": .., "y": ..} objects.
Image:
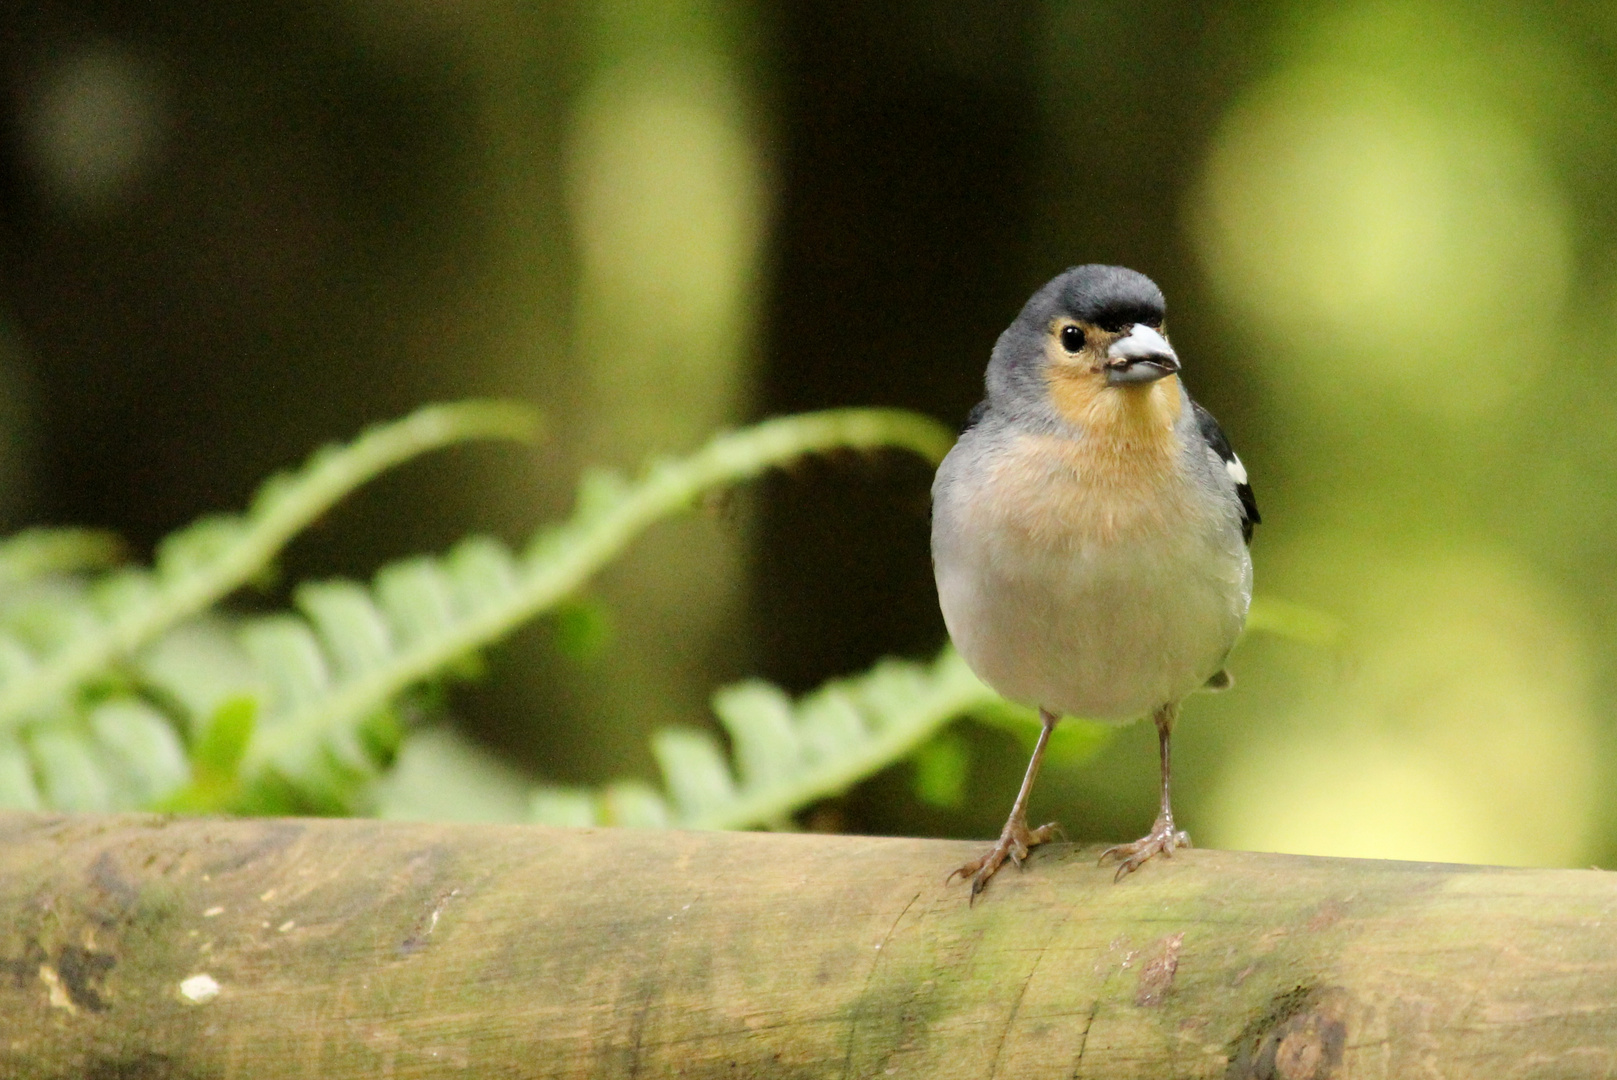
[{"x": 1140, "y": 356}]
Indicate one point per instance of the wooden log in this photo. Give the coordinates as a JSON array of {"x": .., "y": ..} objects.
[{"x": 151, "y": 947}]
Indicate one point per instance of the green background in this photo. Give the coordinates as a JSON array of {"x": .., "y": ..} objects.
[{"x": 1385, "y": 231}]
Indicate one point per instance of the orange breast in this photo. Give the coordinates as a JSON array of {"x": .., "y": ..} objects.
[{"x": 1120, "y": 477}]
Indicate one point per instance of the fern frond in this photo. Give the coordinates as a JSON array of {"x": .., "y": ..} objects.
[
  {"x": 206, "y": 561},
  {"x": 18, "y": 788},
  {"x": 362, "y": 648},
  {"x": 122, "y": 754},
  {"x": 788, "y": 754},
  {"x": 36, "y": 553}
]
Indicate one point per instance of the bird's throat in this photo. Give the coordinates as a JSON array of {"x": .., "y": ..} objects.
[
  {"x": 1117, "y": 479},
  {"x": 1132, "y": 418}
]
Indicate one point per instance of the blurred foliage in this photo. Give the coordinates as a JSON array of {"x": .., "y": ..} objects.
[
  {"x": 1396, "y": 214},
  {"x": 1384, "y": 229},
  {"x": 789, "y": 754},
  {"x": 120, "y": 690},
  {"x": 123, "y": 690}
]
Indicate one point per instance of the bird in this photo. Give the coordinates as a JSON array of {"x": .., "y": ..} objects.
[{"x": 1090, "y": 533}]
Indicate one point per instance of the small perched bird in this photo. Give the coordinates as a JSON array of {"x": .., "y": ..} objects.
[{"x": 1090, "y": 531}]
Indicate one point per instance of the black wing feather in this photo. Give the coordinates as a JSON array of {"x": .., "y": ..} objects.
[
  {"x": 975, "y": 416},
  {"x": 1214, "y": 436}
]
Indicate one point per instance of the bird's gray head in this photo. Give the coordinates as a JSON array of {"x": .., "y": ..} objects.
[{"x": 1092, "y": 335}]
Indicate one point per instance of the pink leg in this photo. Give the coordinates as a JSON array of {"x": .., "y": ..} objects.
[
  {"x": 1163, "y": 837},
  {"x": 1016, "y": 838}
]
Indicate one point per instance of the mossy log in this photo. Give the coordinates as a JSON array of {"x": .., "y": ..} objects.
[{"x": 151, "y": 947}]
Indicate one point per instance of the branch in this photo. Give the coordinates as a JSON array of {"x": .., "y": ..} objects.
[{"x": 146, "y": 946}]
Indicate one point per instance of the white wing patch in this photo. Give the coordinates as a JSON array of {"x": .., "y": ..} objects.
[{"x": 1236, "y": 470}]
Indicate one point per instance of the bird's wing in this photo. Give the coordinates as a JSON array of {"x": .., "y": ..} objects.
[
  {"x": 1214, "y": 437},
  {"x": 975, "y": 416}
]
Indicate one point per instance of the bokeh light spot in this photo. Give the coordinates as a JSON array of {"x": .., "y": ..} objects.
[
  {"x": 1386, "y": 240},
  {"x": 1464, "y": 731},
  {"x": 667, "y": 194},
  {"x": 91, "y": 119}
]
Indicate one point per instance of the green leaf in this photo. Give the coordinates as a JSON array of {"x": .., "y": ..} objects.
[
  {"x": 829, "y": 725},
  {"x": 758, "y": 718},
  {"x": 71, "y": 776},
  {"x": 216, "y": 761},
  {"x": 288, "y": 655},
  {"x": 694, "y": 769},
  {"x": 353, "y": 632},
  {"x": 418, "y": 598},
  {"x": 443, "y": 775},
  {"x": 198, "y": 668},
  {"x": 140, "y": 744},
  {"x": 35, "y": 553},
  {"x": 17, "y": 788},
  {"x": 598, "y": 491},
  {"x": 217, "y": 756}
]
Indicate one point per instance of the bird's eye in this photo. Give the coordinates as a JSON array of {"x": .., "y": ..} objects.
[{"x": 1072, "y": 338}]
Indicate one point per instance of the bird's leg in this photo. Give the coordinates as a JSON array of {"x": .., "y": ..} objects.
[
  {"x": 1162, "y": 837},
  {"x": 1016, "y": 838}
]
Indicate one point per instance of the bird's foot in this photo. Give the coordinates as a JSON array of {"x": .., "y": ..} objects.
[
  {"x": 1163, "y": 838},
  {"x": 1014, "y": 841}
]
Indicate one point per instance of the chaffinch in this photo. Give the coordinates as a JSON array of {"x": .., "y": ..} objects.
[{"x": 1090, "y": 531}]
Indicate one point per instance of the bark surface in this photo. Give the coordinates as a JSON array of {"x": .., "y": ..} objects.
[{"x": 147, "y": 947}]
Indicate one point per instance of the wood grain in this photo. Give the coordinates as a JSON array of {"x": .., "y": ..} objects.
[{"x": 343, "y": 949}]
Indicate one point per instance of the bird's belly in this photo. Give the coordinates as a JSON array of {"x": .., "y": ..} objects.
[{"x": 1106, "y": 631}]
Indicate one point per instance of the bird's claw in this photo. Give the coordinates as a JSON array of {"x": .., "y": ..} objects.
[
  {"x": 1013, "y": 844},
  {"x": 1163, "y": 838}
]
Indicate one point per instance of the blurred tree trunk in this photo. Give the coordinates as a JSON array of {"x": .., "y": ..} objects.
[
  {"x": 908, "y": 160},
  {"x": 668, "y": 204},
  {"x": 152, "y": 947}
]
